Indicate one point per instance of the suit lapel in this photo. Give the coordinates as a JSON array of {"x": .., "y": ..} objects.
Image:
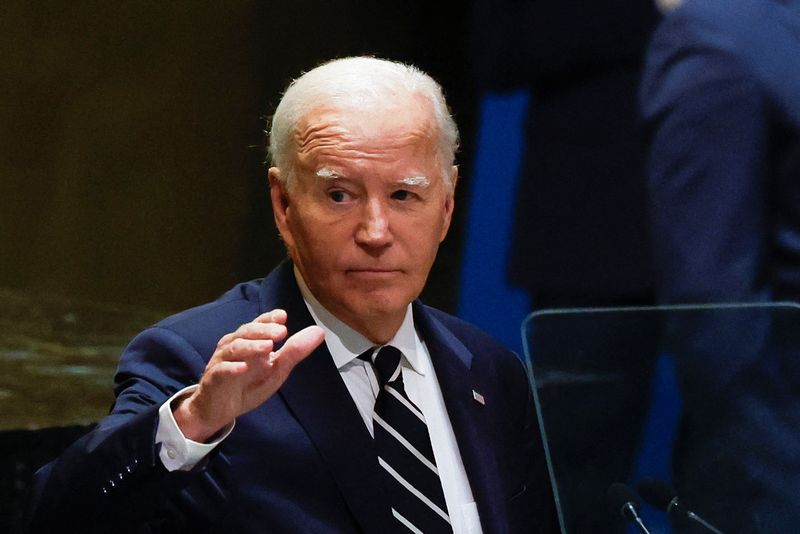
[
  {"x": 457, "y": 372},
  {"x": 319, "y": 399}
]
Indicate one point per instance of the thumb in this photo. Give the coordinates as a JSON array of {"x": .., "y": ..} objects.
[{"x": 299, "y": 345}]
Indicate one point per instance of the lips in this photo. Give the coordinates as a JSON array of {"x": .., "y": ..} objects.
[{"x": 373, "y": 273}]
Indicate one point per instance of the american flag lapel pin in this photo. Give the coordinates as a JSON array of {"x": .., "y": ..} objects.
[{"x": 478, "y": 398}]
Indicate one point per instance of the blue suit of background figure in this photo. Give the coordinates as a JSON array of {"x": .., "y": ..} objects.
[
  {"x": 304, "y": 460},
  {"x": 721, "y": 94}
]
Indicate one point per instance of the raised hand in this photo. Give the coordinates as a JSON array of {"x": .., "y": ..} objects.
[{"x": 243, "y": 372}]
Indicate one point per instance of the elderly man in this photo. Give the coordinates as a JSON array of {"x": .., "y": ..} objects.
[{"x": 235, "y": 416}]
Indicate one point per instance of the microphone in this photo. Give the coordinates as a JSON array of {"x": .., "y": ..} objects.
[
  {"x": 663, "y": 496},
  {"x": 622, "y": 500}
]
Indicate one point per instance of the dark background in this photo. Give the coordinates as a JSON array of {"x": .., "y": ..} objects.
[{"x": 132, "y": 134}]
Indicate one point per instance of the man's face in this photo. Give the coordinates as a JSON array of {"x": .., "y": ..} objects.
[{"x": 365, "y": 212}]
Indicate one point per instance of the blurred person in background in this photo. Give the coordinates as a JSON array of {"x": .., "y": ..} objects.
[{"x": 721, "y": 97}]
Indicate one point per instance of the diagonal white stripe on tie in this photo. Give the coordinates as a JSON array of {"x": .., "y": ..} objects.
[
  {"x": 388, "y": 428},
  {"x": 411, "y": 408},
  {"x": 403, "y": 482},
  {"x": 406, "y": 522}
]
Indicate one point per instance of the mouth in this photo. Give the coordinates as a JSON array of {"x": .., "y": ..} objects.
[{"x": 373, "y": 273}]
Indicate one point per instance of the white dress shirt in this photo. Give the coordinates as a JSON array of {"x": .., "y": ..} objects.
[{"x": 421, "y": 385}]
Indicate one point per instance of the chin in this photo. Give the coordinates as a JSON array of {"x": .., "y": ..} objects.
[{"x": 376, "y": 304}]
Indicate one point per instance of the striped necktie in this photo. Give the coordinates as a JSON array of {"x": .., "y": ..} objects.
[{"x": 404, "y": 451}]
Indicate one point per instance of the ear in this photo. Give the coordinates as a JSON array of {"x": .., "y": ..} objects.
[
  {"x": 449, "y": 202},
  {"x": 280, "y": 205}
]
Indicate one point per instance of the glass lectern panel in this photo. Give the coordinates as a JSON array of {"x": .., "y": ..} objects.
[{"x": 703, "y": 399}]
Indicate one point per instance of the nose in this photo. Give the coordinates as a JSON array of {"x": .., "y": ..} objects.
[{"x": 373, "y": 229}]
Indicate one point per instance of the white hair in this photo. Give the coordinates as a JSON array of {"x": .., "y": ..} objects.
[{"x": 358, "y": 81}]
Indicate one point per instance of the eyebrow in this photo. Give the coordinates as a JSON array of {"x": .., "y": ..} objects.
[
  {"x": 328, "y": 174},
  {"x": 420, "y": 181},
  {"x": 411, "y": 181}
]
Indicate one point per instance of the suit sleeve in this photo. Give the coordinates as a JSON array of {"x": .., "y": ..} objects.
[
  {"x": 112, "y": 477},
  {"x": 706, "y": 116}
]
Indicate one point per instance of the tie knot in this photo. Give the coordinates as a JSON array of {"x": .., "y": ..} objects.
[{"x": 386, "y": 362}]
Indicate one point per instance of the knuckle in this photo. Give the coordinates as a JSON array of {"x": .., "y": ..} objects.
[
  {"x": 237, "y": 345},
  {"x": 243, "y": 330},
  {"x": 278, "y": 330}
]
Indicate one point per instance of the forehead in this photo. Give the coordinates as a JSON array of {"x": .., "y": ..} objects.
[{"x": 400, "y": 130}]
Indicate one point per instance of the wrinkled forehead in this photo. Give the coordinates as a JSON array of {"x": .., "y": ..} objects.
[
  {"x": 371, "y": 117},
  {"x": 328, "y": 129}
]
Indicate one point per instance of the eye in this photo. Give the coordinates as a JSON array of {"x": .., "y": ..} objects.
[
  {"x": 338, "y": 196},
  {"x": 402, "y": 194}
]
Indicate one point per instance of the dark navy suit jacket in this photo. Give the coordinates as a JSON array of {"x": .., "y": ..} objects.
[{"x": 303, "y": 461}]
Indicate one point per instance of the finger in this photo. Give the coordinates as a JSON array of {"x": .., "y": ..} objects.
[
  {"x": 241, "y": 349},
  {"x": 273, "y": 331},
  {"x": 299, "y": 346},
  {"x": 274, "y": 316},
  {"x": 254, "y": 330}
]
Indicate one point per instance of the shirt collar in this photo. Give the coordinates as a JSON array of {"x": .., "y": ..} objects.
[{"x": 345, "y": 344}]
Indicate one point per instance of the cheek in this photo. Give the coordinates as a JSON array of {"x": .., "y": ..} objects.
[
  {"x": 303, "y": 226},
  {"x": 318, "y": 244},
  {"x": 423, "y": 245}
]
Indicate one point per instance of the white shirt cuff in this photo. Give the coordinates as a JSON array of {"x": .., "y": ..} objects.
[{"x": 177, "y": 451}]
